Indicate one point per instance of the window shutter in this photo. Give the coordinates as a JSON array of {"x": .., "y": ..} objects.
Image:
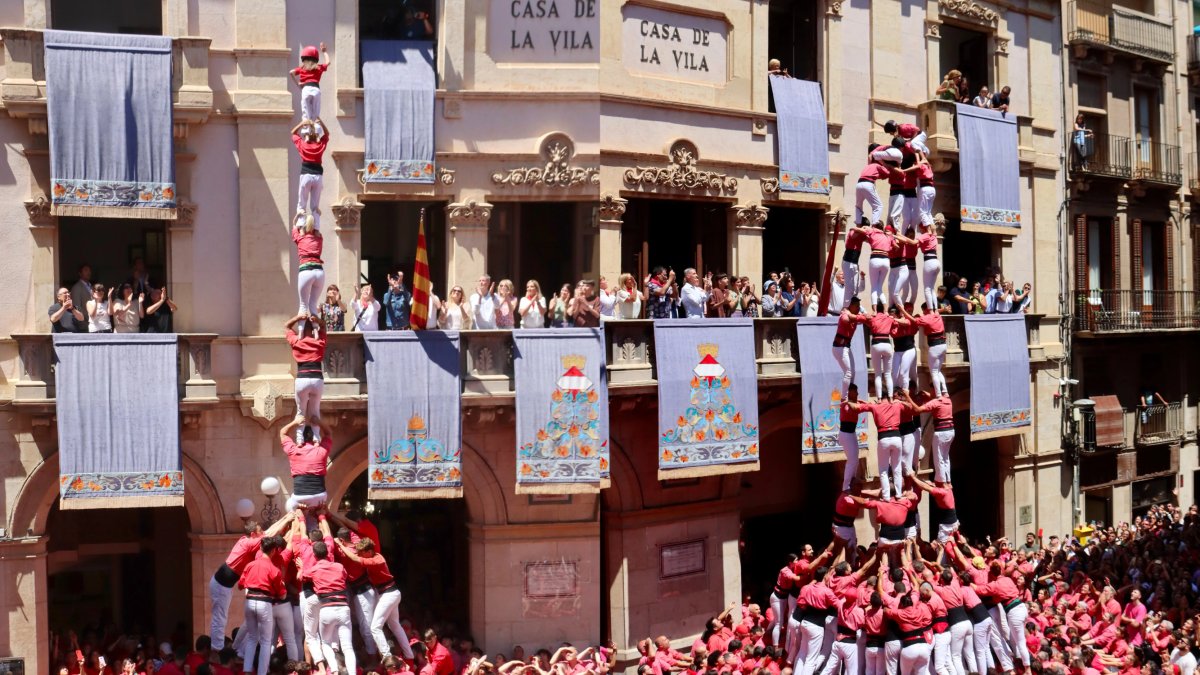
[
  {"x": 1115, "y": 229},
  {"x": 1168, "y": 262},
  {"x": 1081, "y": 253},
  {"x": 1135, "y": 244}
]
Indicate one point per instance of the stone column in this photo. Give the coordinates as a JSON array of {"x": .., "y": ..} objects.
[
  {"x": 833, "y": 68},
  {"x": 24, "y": 602},
  {"x": 933, "y": 39},
  {"x": 44, "y": 270},
  {"x": 612, "y": 214},
  {"x": 175, "y": 18},
  {"x": 745, "y": 239},
  {"x": 183, "y": 273},
  {"x": 466, "y": 232},
  {"x": 347, "y": 216}
]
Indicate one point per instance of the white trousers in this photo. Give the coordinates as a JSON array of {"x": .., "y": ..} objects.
[
  {"x": 891, "y": 656},
  {"x": 363, "y": 608},
  {"x": 908, "y": 451},
  {"x": 335, "y": 630},
  {"x": 809, "y": 652},
  {"x": 865, "y": 191},
  {"x": 260, "y": 633},
  {"x": 937, "y": 358},
  {"x": 983, "y": 635},
  {"x": 941, "y": 653},
  {"x": 875, "y": 662},
  {"x": 912, "y": 213},
  {"x": 881, "y": 361},
  {"x": 887, "y": 452},
  {"x": 310, "y": 284},
  {"x": 878, "y": 271},
  {"x": 843, "y": 655},
  {"x": 897, "y": 280},
  {"x": 310, "y": 614},
  {"x": 285, "y": 627},
  {"x": 779, "y": 623},
  {"x": 904, "y": 368},
  {"x": 960, "y": 648},
  {"x": 387, "y": 613},
  {"x": 309, "y": 199},
  {"x": 793, "y": 640},
  {"x": 220, "y": 597},
  {"x": 850, "y": 274},
  {"x": 1016, "y": 633},
  {"x": 297, "y": 626},
  {"x": 914, "y": 659},
  {"x": 308, "y": 396},
  {"x": 846, "y": 361},
  {"x": 311, "y": 501},
  {"x": 895, "y": 206},
  {"x": 925, "y": 197},
  {"x": 942, "y": 440},
  {"x": 910, "y": 284},
  {"x": 310, "y": 103},
  {"x": 930, "y": 269},
  {"x": 849, "y": 441},
  {"x": 918, "y": 143}
]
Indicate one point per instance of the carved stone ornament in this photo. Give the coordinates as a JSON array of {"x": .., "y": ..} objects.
[
  {"x": 682, "y": 173},
  {"x": 770, "y": 185},
  {"x": 971, "y": 10},
  {"x": 612, "y": 207},
  {"x": 38, "y": 209},
  {"x": 446, "y": 176},
  {"x": 1001, "y": 46},
  {"x": 933, "y": 29},
  {"x": 834, "y": 8},
  {"x": 470, "y": 212},
  {"x": 347, "y": 213},
  {"x": 185, "y": 214},
  {"x": 557, "y": 151},
  {"x": 750, "y": 215}
]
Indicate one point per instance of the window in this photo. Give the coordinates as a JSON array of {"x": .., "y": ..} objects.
[
  {"x": 138, "y": 17},
  {"x": 1101, "y": 268},
  {"x": 792, "y": 37},
  {"x": 1145, "y": 127},
  {"x": 676, "y": 235},
  {"x": 550, "y": 242},
  {"x": 389, "y": 244},
  {"x": 112, "y": 249},
  {"x": 1093, "y": 92},
  {"x": 390, "y": 20},
  {"x": 967, "y": 51}
]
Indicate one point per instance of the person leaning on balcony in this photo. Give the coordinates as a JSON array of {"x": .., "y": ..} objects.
[
  {"x": 127, "y": 310},
  {"x": 770, "y": 300},
  {"x": 397, "y": 303},
  {"x": 948, "y": 89},
  {"x": 1080, "y": 137},
  {"x": 1000, "y": 99},
  {"x": 984, "y": 99},
  {"x": 532, "y": 307},
  {"x": 65, "y": 317},
  {"x": 629, "y": 298},
  {"x": 159, "y": 314},
  {"x": 483, "y": 304},
  {"x": 1148, "y": 398}
]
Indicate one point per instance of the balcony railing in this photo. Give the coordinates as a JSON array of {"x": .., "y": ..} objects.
[
  {"x": 1115, "y": 311},
  {"x": 1194, "y": 172},
  {"x": 1160, "y": 423},
  {"x": 937, "y": 118},
  {"x": 1101, "y": 155},
  {"x": 1193, "y": 52},
  {"x": 1099, "y": 23},
  {"x": 1157, "y": 162}
]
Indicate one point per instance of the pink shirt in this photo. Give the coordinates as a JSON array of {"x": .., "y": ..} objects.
[
  {"x": 932, "y": 323},
  {"x": 874, "y": 172},
  {"x": 881, "y": 324},
  {"x": 328, "y": 577},
  {"x": 880, "y": 240},
  {"x": 816, "y": 596},
  {"x": 310, "y": 459},
  {"x": 927, "y": 242},
  {"x": 244, "y": 551},
  {"x": 942, "y": 410},
  {"x": 308, "y": 245},
  {"x": 1137, "y": 612},
  {"x": 887, "y": 415}
]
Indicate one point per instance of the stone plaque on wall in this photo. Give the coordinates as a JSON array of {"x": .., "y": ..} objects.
[
  {"x": 681, "y": 559},
  {"x": 551, "y": 580},
  {"x": 544, "y": 31},
  {"x": 674, "y": 45}
]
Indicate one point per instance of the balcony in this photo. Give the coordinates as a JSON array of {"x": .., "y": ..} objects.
[
  {"x": 1101, "y": 155},
  {"x": 1095, "y": 24},
  {"x": 23, "y": 89},
  {"x": 937, "y": 119},
  {"x": 1155, "y": 162},
  {"x": 1110, "y": 312},
  {"x": 1193, "y": 42},
  {"x": 1194, "y": 172},
  {"x": 1160, "y": 423}
]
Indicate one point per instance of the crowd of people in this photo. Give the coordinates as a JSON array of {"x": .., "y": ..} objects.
[
  {"x": 136, "y": 305},
  {"x": 956, "y": 87},
  {"x": 1124, "y": 600}
]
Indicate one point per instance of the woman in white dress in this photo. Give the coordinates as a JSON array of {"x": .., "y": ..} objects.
[
  {"x": 457, "y": 313},
  {"x": 532, "y": 308},
  {"x": 99, "y": 310},
  {"x": 366, "y": 310},
  {"x": 628, "y": 298}
]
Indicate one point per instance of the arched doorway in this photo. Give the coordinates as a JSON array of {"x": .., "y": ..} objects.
[
  {"x": 425, "y": 544},
  {"x": 119, "y": 571}
]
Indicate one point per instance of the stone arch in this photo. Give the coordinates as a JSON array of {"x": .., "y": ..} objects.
[
  {"x": 481, "y": 488},
  {"x": 625, "y": 489},
  {"x": 39, "y": 492}
]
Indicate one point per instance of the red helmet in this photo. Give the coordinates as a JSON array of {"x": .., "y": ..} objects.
[{"x": 309, "y": 52}]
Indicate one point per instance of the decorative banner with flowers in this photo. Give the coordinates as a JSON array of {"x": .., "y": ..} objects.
[
  {"x": 989, "y": 169},
  {"x": 707, "y": 397},
  {"x": 822, "y": 387},
  {"x": 801, "y": 135},
  {"x": 399, "y": 84},
  {"x": 414, "y": 420},
  {"x": 562, "y": 411},
  {"x": 1000, "y": 378},
  {"x": 118, "y": 420}
]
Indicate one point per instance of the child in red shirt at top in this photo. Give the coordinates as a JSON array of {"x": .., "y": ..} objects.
[{"x": 307, "y": 76}]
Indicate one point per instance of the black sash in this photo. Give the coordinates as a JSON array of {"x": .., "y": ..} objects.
[
  {"x": 957, "y": 614},
  {"x": 904, "y": 342},
  {"x": 309, "y": 369},
  {"x": 849, "y": 427},
  {"x": 893, "y": 532},
  {"x": 851, "y": 255},
  {"x": 308, "y": 484},
  {"x": 313, "y": 168},
  {"x": 978, "y": 613},
  {"x": 947, "y": 517},
  {"x": 334, "y": 598},
  {"x": 842, "y": 519},
  {"x": 226, "y": 576}
]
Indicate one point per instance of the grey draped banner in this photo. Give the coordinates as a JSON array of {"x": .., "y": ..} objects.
[
  {"x": 108, "y": 106},
  {"x": 562, "y": 410},
  {"x": 998, "y": 350},
  {"x": 399, "y": 83},
  {"x": 821, "y": 386},
  {"x": 707, "y": 397},
  {"x": 118, "y": 420},
  {"x": 801, "y": 134},
  {"x": 989, "y": 169},
  {"x": 414, "y": 430}
]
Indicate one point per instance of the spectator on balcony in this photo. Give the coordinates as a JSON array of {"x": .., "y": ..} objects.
[
  {"x": 1001, "y": 299},
  {"x": 660, "y": 293},
  {"x": 720, "y": 299},
  {"x": 81, "y": 292},
  {"x": 1000, "y": 99},
  {"x": 772, "y": 305},
  {"x": 160, "y": 314},
  {"x": 127, "y": 310},
  {"x": 584, "y": 310},
  {"x": 629, "y": 298},
  {"x": 959, "y": 297},
  {"x": 366, "y": 310},
  {"x": 558, "y": 307},
  {"x": 483, "y": 304},
  {"x": 978, "y": 300},
  {"x": 506, "y": 305},
  {"x": 1023, "y": 299},
  {"x": 458, "y": 312},
  {"x": 693, "y": 298},
  {"x": 414, "y": 24},
  {"x": 397, "y": 302},
  {"x": 984, "y": 99},
  {"x": 1148, "y": 398},
  {"x": 1082, "y": 139},
  {"x": 809, "y": 299},
  {"x": 608, "y": 301},
  {"x": 139, "y": 278},
  {"x": 532, "y": 307},
  {"x": 964, "y": 90},
  {"x": 948, "y": 89},
  {"x": 100, "y": 310},
  {"x": 65, "y": 317},
  {"x": 433, "y": 317},
  {"x": 748, "y": 304},
  {"x": 333, "y": 312},
  {"x": 837, "y": 291},
  {"x": 789, "y": 299}
]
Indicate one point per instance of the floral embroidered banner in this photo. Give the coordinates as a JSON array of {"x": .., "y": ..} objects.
[
  {"x": 998, "y": 350},
  {"x": 118, "y": 420},
  {"x": 822, "y": 386},
  {"x": 989, "y": 169},
  {"x": 707, "y": 397},
  {"x": 801, "y": 135},
  {"x": 414, "y": 430},
  {"x": 562, "y": 410},
  {"x": 399, "y": 84},
  {"x": 110, "y": 120}
]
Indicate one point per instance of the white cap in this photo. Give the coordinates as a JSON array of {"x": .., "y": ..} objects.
[{"x": 165, "y": 648}]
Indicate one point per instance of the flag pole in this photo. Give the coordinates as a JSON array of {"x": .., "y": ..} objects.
[{"x": 823, "y": 307}]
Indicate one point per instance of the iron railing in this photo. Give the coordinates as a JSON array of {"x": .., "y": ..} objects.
[
  {"x": 1107, "y": 311},
  {"x": 1101, "y": 154},
  {"x": 1157, "y": 162},
  {"x": 1193, "y": 52},
  {"x": 1159, "y": 423},
  {"x": 1101, "y": 23},
  {"x": 1194, "y": 171}
]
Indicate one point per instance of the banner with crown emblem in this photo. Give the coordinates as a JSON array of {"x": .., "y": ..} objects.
[
  {"x": 562, "y": 411},
  {"x": 707, "y": 397},
  {"x": 414, "y": 432},
  {"x": 821, "y": 387}
]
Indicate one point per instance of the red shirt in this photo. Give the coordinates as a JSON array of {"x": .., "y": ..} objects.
[
  {"x": 925, "y": 174},
  {"x": 951, "y": 594},
  {"x": 313, "y": 76},
  {"x": 305, "y": 552},
  {"x": 890, "y": 513},
  {"x": 306, "y": 349},
  {"x": 309, "y": 459},
  {"x": 932, "y": 323},
  {"x": 786, "y": 579},
  {"x": 881, "y": 324},
  {"x": 193, "y": 661},
  {"x": 847, "y": 507},
  {"x": 377, "y": 570},
  {"x": 874, "y": 172},
  {"x": 1002, "y": 589},
  {"x": 328, "y": 577},
  {"x": 854, "y": 239},
  {"x": 439, "y": 661},
  {"x": 847, "y": 413},
  {"x": 907, "y": 131},
  {"x": 910, "y": 250},
  {"x": 943, "y": 497},
  {"x": 311, "y": 152},
  {"x": 354, "y": 570},
  {"x": 243, "y": 552},
  {"x": 886, "y": 415},
  {"x": 880, "y": 240},
  {"x": 912, "y": 618},
  {"x": 847, "y": 321},
  {"x": 851, "y": 615},
  {"x": 817, "y": 596},
  {"x": 309, "y": 245},
  {"x": 910, "y": 180},
  {"x": 942, "y": 410},
  {"x": 367, "y": 529},
  {"x": 927, "y": 242},
  {"x": 905, "y": 329},
  {"x": 873, "y": 620},
  {"x": 264, "y": 575}
]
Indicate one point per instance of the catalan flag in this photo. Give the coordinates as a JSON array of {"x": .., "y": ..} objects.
[{"x": 421, "y": 283}]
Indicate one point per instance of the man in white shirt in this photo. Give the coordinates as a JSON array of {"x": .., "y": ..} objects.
[
  {"x": 692, "y": 296},
  {"x": 483, "y": 304},
  {"x": 1183, "y": 657}
]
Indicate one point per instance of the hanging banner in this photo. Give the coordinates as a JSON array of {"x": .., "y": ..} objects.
[
  {"x": 821, "y": 387},
  {"x": 998, "y": 350}
]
